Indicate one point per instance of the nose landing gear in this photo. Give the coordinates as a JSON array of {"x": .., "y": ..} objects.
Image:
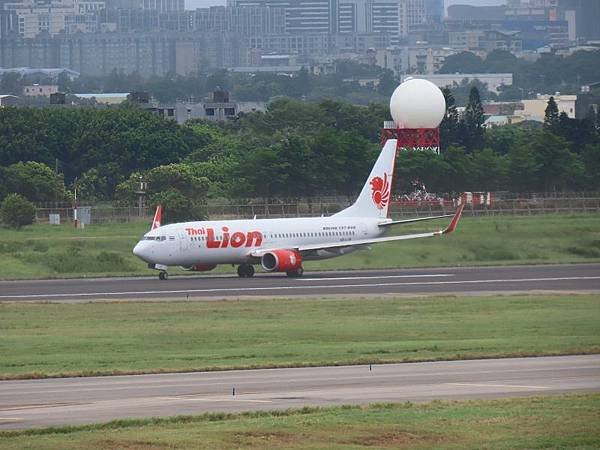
[{"x": 163, "y": 275}]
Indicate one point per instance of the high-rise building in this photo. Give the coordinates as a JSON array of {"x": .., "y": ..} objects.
[
  {"x": 434, "y": 11},
  {"x": 411, "y": 14},
  {"x": 301, "y": 16},
  {"x": 583, "y": 16},
  {"x": 54, "y": 16}
]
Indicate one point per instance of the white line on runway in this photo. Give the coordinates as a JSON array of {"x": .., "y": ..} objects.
[
  {"x": 290, "y": 288},
  {"x": 433, "y": 275},
  {"x": 215, "y": 399},
  {"x": 497, "y": 385}
]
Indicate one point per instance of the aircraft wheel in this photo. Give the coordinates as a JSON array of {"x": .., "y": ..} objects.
[
  {"x": 295, "y": 273},
  {"x": 245, "y": 271},
  {"x": 163, "y": 275}
]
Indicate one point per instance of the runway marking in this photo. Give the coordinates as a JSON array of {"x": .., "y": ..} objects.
[
  {"x": 216, "y": 399},
  {"x": 378, "y": 277},
  {"x": 11, "y": 419},
  {"x": 497, "y": 385},
  {"x": 291, "y": 288}
]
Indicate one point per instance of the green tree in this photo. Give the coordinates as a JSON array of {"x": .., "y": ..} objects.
[
  {"x": 559, "y": 169},
  {"x": 551, "y": 116},
  {"x": 523, "y": 169},
  {"x": 16, "y": 211},
  {"x": 35, "y": 181},
  {"x": 473, "y": 121},
  {"x": 387, "y": 83},
  {"x": 177, "y": 207},
  {"x": 464, "y": 62},
  {"x": 450, "y": 126},
  {"x": 591, "y": 161},
  {"x": 489, "y": 171}
]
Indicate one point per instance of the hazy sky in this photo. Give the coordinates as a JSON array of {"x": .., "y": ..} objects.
[{"x": 193, "y": 4}]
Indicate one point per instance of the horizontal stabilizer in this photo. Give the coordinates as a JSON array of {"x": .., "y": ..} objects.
[{"x": 418, "y": 219}]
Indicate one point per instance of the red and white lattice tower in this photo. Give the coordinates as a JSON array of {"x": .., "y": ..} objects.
[{"x": 417, "y": 107}]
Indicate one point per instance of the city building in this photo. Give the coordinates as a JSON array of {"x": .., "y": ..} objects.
[
  {"x": 217, "y": 109},
  {"x": 8, "y": 100},
  {"x": 434, "y": 11},
  {"x": 40, "y": 90},
  {"x": 535, "y": 109},
  {"x": 583, "y": 17},
  {"x": 301, "y": 16},
  {"x": 54, "y": 16},
  {"x": 109, "y": 98},
  {"x": 493, "y": 80}
]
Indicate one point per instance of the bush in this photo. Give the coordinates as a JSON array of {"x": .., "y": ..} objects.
[{"x": 17, "y": 211}]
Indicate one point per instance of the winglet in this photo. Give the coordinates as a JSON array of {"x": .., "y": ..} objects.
[
  {"x": 157, "y": 217},
  {"x": 455, "y": 220}
]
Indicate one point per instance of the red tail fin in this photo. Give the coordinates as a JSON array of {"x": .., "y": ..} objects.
[
  {"x": 455, "y": 220},
  {"x": 157, "y": 217}
]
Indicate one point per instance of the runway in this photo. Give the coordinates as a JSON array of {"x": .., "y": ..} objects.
[
  {"x": 582, "y": 278},
  {"x": 36, "y": 403}
]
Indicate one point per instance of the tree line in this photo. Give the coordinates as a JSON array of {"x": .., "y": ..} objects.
[{"x": 294, "y": 149}]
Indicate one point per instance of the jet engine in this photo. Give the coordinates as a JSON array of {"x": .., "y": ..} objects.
[
  {"x": 281, "y": 261},
  {"x": 199, "y": 267}
]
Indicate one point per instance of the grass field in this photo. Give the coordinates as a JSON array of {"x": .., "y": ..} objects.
[
  {"x": 538, "y": 422},
  {"x": 44, "y": 251},
  {"x": 108, "y": 338}
]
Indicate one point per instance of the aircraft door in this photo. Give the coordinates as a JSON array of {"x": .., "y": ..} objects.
[
  {"x": 184, "y": 241},
  {"x": 362, "y": 229}
]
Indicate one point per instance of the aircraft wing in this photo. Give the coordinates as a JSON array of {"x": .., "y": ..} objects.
[
  {"x": 357, "y": 242},
  {"x": 449, "y": 229},
  {"x": 418, "y": 219}
]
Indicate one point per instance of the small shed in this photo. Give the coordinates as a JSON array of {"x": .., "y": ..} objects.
[{"x": 8, "y": 100}]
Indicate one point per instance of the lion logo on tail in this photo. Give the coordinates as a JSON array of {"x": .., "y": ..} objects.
[{"x": 381, "y": 191}]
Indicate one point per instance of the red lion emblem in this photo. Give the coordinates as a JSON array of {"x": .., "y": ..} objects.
[{"x": 381, "y": 191}]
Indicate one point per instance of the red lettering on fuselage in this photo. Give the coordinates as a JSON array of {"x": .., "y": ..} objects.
[
  {"x": 195, "y": 231},
  {"x": 235, "y": 240}
]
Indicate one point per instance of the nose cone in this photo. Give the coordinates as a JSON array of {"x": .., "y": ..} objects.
[{"x": 142, "y": 251}]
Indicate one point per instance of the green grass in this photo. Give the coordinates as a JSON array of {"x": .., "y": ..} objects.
[
  {"x": 536, "y": 422},
  {"x": 44, "y": 251},
  {"x": 107, "y": 338}
]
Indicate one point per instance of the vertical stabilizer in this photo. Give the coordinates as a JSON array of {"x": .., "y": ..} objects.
[
  {"x": 376, "y": 194},
  {"x": 157, "y": 217}
]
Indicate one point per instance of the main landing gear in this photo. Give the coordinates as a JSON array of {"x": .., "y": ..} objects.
[
  {"x": 245, "y": 271},
  {"x": 163, "y": 275},
  {"x": 296, "y": 273}
]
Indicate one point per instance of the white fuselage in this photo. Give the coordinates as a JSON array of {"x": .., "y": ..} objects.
[{"x": 232, "y": 241}]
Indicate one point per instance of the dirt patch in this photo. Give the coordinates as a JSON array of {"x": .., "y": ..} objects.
[
  {"x": 265, "y": 438},
  {"x": 399, "y": 439},
  {"x": 122, "y": 444}
]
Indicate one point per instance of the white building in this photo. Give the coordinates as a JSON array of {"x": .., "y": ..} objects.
[
  {"x": 412, "y": 59},
  {"x": 42, "y": 90},
  {"x": 492, "y": 80},
  {"x": 55, "y": 16},
  {"x": 536, "y": 109}
]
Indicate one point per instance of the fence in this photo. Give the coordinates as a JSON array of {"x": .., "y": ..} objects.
[{"x": 503, "y": 204}]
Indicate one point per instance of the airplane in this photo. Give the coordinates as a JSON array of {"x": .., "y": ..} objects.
[{"x": 281, "y": 245}]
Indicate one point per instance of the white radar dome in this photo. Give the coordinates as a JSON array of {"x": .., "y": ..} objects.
[{"x": 417, "y": 103}]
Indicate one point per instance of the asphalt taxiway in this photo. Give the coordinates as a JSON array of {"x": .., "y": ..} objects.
[
  {"x": 579, "y": 278},
  {"x": 37, "y": 403}
]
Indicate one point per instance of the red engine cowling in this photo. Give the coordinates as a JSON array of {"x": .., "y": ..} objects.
[
  {"x": 199, "y": 267},
  {"x": 281, "y": 261}
]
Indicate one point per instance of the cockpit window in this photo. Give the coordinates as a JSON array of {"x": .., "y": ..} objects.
[{"x": 149, "y": 238}]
